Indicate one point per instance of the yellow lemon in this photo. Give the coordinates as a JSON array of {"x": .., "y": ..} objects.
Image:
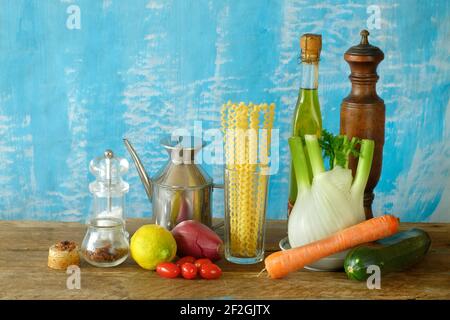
[{"x": 152, "y": 244}]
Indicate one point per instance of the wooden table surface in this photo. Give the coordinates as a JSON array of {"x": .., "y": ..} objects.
[{"x": 24, "y": 273}]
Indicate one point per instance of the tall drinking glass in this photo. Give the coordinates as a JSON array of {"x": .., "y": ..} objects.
[{"x": 245, "y": 212}]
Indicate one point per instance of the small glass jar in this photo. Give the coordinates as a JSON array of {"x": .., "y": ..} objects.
[{"x": 105, "y": 243}]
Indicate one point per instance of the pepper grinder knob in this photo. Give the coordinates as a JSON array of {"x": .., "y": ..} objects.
[{"x": 364, "y": 36}]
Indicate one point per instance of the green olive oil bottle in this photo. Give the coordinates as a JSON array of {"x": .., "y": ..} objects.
[{"x": 307, "y": 116}]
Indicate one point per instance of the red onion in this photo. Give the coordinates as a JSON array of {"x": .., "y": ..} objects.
[{"x": 195, "y": 239}]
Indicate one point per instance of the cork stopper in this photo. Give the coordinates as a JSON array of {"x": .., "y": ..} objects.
[{"x": 310, "y": 45}]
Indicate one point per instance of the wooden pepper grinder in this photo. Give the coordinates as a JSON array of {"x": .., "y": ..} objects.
[{"x": 363, "y": 111}]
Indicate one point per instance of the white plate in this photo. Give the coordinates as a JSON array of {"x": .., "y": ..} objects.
[{"x": 334, "y": 262}]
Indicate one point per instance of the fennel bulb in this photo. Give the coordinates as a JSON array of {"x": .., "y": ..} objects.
[{"x": 333, "y": 200}]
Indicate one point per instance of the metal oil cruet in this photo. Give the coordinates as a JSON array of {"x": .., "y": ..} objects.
[
  {"x": 106, "y": 243},
  {"x": 181, "y": 190}
]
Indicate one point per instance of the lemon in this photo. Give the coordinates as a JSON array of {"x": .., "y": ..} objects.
[{"x": 152, "y": 244}]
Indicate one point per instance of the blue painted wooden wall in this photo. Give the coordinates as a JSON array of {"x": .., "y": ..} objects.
[{"x": 77, "y": 76}]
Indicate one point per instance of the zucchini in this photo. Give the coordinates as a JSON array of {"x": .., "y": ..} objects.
[{"x": 395, "y": 253}]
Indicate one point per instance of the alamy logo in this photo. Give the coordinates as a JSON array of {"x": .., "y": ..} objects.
[
  {"x": 374, "y": 20},
  {"x": 74, "y": 19},
  {"x": 74, "y": 279},
  {"x": 374, "y": 281},
  {"x": 264, "y": 146}
]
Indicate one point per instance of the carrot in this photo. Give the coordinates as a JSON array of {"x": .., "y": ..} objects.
[{"x": 281, "y": 263}]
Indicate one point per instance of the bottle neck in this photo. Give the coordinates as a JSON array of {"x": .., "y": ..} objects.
[{"x": 310, "y": 75}]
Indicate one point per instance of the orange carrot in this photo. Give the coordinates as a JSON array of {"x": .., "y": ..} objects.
[{"x": 281, "y": 263}]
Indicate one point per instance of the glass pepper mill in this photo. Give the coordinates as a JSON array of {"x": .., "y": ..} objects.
[{"x": 106, "y": 243}]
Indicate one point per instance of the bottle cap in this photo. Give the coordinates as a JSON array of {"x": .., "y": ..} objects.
[{"x": 310, "y": 45}]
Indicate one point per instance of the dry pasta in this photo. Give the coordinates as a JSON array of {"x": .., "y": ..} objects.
[{"x": 246, "y": 153}]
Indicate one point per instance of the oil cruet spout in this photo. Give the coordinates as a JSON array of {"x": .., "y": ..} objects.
[{"x": 146, "y": 181}]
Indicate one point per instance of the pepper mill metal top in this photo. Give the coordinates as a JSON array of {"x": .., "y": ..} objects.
[
  {"x": 109, "y": 154},
  {"x": 363, "y": 111}
]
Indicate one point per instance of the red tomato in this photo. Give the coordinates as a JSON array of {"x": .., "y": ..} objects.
[
  {"x": 184, "y": 260},
  {"x": 168, "y": 270},
  {"x": 200, "y": 262},
  {"x": 210, "y": 271},
  {"x": 189, "y": 270}
]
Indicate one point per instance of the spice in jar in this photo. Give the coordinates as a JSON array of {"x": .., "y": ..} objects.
[{"x": 105, "y": 254}]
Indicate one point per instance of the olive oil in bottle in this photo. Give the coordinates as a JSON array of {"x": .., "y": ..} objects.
[{"x": 307, "y": 116}]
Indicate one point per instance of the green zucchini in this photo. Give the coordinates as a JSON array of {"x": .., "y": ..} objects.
[{"x": 395, "y": 253}]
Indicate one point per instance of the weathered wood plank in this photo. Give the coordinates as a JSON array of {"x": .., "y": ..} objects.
[{"x": 24, "y": 273}]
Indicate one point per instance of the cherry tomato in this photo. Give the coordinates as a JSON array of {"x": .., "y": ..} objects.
[
  {"x": 168, "y": 270},
  {"x": 189, "y": 270},
  {"x": 184, "y": 260},
  {"x": 210, "y": 271},
  {"x": 200, "y": 262}
]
